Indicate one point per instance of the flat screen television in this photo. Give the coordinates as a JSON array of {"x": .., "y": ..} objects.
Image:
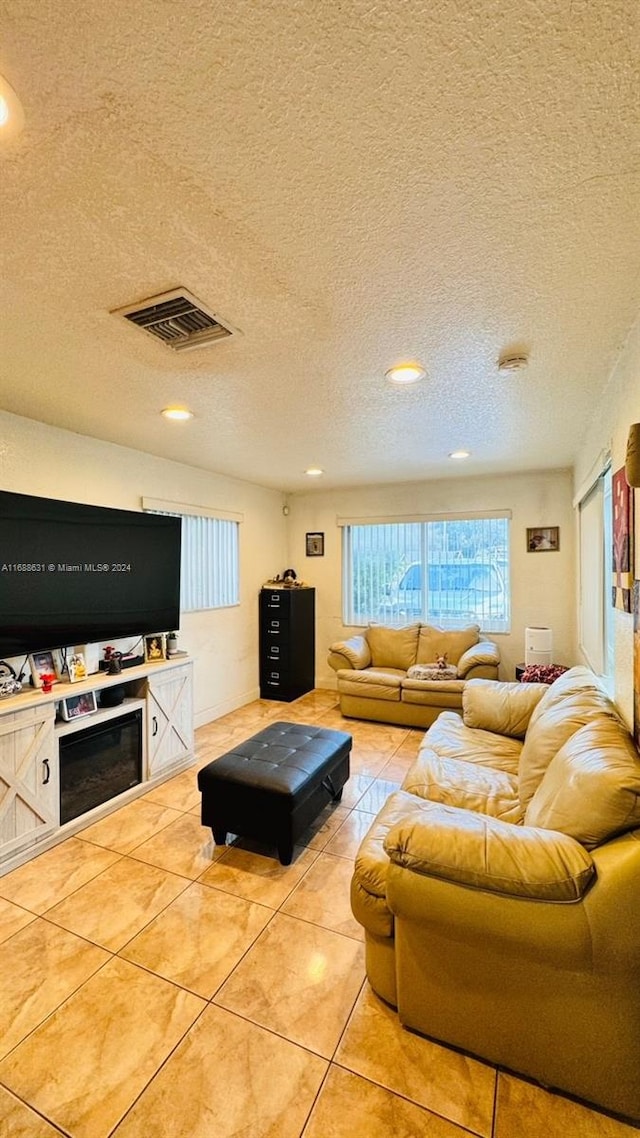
[{"x": 74, "y": 574}]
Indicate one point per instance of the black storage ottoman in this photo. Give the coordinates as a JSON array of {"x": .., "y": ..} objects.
[{"x": 272, "y": 786}]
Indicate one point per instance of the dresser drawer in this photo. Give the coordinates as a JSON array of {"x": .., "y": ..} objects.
[
  {"x": 274, "y": 679},
  {"x": 275, "y": 628},
  {"x": 277, "y": 652},
  {"x": 276, "y": 600}
]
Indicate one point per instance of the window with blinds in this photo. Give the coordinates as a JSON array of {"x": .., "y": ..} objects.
[
  {"x": 209, "y": 564},
  {"x": 447, "y": 571}
]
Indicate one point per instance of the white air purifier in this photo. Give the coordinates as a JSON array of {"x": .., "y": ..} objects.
[{"x": 538, "y": 645}]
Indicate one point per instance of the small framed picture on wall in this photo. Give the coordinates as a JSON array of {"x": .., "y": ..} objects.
[
  {"x": 541, "y": 539},
  {"x": 315, "y": 545}
]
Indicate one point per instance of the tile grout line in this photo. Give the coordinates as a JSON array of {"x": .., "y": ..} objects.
[
  {"x": 64, "y": 1001},
  {"x": 157, "y": 1071},
  {"x": 334, "y": 1062},
  {"x": 34, "y": 1110}
]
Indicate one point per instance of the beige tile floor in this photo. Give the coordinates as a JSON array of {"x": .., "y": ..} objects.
[{"x": 154, "y": 985}]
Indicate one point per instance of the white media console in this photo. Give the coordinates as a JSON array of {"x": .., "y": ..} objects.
[{"x": 30, "y": 745}]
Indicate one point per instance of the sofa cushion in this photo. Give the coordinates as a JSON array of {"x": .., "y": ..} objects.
[
  {"x": 393, "y": 647},
  {"x": 372, "y": 683},
  {"x": 424, "y": 691},
  {"x": 450, "y": 737},
  {"x": 576, "y": 680},
  {"x": 434, "y": 642},
  {"x": 504, "y": 708},
  {"x": 456, "y": 782},
  {"x": 591, "y": 789},
  {"x": 488, "y": 854},
  {"x": 549, "y": 730}
]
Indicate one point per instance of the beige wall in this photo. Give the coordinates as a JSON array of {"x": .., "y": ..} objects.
[
  {"x": 42, "y": 460},
  {"x": 618, "y": 408},
  {"x": 543, "y": 590}
]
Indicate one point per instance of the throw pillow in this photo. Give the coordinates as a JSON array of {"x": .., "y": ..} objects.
[
  {"x": 434, "y": 642},
  {"x": 548, "y": 732},
  {"x": 591, "y": 789},
  {"x": 542, "y": 673},
  {"x": 393, "y": 647}
]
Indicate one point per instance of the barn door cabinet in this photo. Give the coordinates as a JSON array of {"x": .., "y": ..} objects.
[
  {"x": 169, "y": 719},
  {"x": 31, "y": 741},
  {"x": 29, "y": 798}
]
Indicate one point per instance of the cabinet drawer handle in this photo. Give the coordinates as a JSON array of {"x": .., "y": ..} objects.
[
  {"x": 154, "y": 720},
  {"x": 47, "y": 772}
]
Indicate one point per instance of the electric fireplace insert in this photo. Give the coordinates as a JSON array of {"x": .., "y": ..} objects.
[{"x": 99, "y": 762}]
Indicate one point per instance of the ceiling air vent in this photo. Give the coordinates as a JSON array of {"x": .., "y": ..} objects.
[{"x": 178, "y": 319}]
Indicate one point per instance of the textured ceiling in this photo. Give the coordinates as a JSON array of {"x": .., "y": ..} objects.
[{"x": 350, "y": 184}]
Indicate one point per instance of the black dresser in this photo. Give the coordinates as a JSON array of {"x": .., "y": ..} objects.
[{"x": 287, "y": 642}]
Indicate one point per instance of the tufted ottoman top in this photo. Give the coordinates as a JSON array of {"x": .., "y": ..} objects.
[{"x": 282, "y": 757}]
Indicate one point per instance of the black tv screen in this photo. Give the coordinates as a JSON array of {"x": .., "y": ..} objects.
[{"x": 72, "y": 574}]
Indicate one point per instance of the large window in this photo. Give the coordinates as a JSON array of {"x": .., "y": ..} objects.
[
  {"x": 209, "y": 563},
  {"x": 446, "y": 571}
]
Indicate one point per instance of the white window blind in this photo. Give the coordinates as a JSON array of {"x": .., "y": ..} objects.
[
  {"x": 448, "y": 571},
  {"x": 209, "y": 564}
]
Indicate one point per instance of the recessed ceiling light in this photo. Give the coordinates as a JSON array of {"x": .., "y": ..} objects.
[
  {"x": 314, "y": 472},
  {"x": 11, "y": 112},
  {"x": 179, "y": 414},
  {"x": 405, "y": 373},
  {"x": 460, "y": 454}
]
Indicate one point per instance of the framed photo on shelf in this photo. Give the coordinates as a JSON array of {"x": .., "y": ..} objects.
[
  {"x": 543, "y": 539},
  {"x": 43, "y": 664},
  {"x": 75, "y": 706},
  {"x": 155, "y": 647},
  {"x": 315, "y": 544},
  {"x": 76, "y": 667}
]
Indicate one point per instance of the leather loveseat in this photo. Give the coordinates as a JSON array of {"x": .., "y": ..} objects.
[
  {"x": 390, "y": 674},
  {"x": 499, "y": 889}
]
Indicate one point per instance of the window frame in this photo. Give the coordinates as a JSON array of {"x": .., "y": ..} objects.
[
  {"x": 491, "y": 623},
  {"x": 218, "y": 553}
]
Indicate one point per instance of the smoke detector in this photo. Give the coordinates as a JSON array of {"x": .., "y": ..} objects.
[
  {"x": 178, "y": 320},
  {"x": 513, "y": 361}
]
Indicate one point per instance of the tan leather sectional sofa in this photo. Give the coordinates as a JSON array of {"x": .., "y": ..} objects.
[
  {"x": 499, "y": 889},
  {"x": 375, "y": 671}
]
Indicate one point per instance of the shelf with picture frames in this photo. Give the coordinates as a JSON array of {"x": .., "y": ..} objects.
[{"x": 32, "y": 725}]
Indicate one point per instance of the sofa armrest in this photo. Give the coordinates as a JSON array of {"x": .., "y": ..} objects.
[
  {"x": 486, "y": 853},
  {"x": 484, "y": 652},
  {"x": 504, "y": 708},
  {"x": 354, "y": 653}
]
